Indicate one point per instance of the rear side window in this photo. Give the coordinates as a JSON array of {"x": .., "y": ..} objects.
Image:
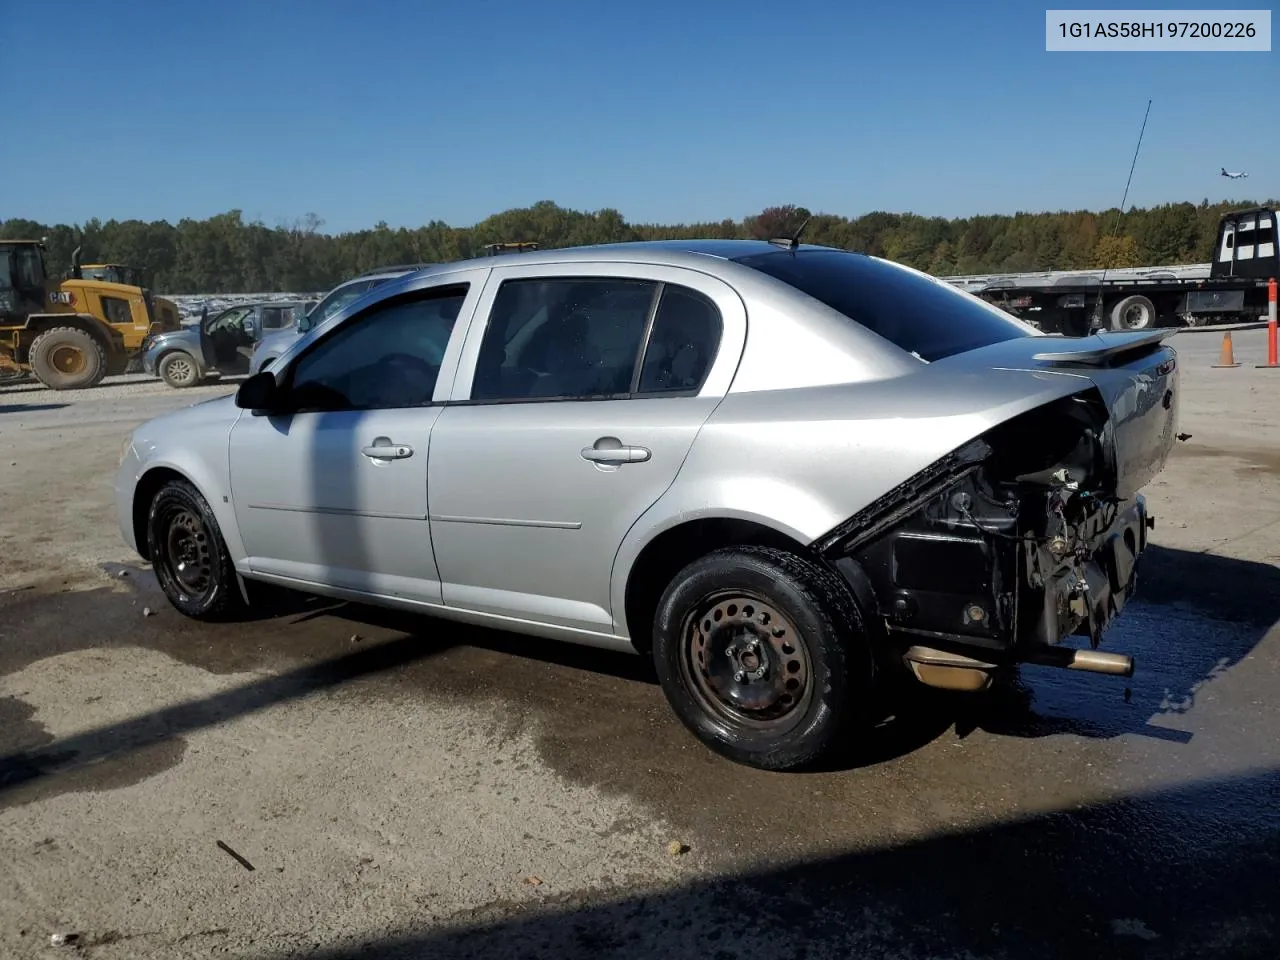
[
  {"x": 570, "y": 338},
  {"x": 925, "y": 317}
]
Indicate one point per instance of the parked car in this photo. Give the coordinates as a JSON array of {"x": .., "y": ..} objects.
[
  {"x": 270, "y": 347},
  {"x": 791, "y": 475},
  {"x": 220, "y": 345}
]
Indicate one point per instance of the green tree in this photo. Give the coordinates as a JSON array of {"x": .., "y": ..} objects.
[{"x": 1115, "y": 252}]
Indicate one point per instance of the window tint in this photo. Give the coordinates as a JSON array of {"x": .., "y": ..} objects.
[
  {"x": 686, "y": 334},
  {"x": 389, "y": 357},
  {"x": 339, "y": 298},
  {"x": 921, "y": 315},
  {"x": 273, "y": 318},
  {"x": 570, "y": 338}
]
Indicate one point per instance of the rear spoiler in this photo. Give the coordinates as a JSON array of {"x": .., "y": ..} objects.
[{"x": 1105, "y": 348}]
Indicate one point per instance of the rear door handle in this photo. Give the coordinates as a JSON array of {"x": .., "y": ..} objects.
[
  {"x": 383, "y": 449},
  {"x": 612, "y": 450}
]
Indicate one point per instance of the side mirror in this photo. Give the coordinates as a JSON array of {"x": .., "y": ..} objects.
[{"x": 260, "y": 394}]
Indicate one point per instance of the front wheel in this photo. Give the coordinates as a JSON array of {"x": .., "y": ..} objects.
[
  {"x": 762, "y": 654},
  {"x": 179, "y": 370},
  {"x": 68, "y": 358},
  {"x": 189, "y": 556}
]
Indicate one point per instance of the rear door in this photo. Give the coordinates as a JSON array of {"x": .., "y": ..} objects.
[{"x": 580, "y": 391}]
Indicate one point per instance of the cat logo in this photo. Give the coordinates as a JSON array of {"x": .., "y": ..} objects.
[{"x": 62, "y": 296}]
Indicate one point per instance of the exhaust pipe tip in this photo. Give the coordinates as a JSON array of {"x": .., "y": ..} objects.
[{"x": 1091, "y": 661}]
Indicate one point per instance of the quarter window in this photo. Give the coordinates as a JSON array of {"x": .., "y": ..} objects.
[
  {"x": 683, "y": 343},
  {"x": 567, "y": 338},
  {"x": 387, "y": 358}
]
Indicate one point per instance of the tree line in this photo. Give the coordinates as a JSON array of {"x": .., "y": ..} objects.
[{"x": 227, "y": 254}]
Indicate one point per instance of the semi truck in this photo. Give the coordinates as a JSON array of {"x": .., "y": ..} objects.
[{"x": 1234, "y": 291}]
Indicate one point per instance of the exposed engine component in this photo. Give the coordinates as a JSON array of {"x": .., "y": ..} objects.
[{"x": 1012, "y": 544}]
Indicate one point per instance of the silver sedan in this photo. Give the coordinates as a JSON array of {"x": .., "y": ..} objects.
[{"x": 791, "y": 475}]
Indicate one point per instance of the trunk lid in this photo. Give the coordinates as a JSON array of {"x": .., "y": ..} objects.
[{"x": 1135, "y": 372}]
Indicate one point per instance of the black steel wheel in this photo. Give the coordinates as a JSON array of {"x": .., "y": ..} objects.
[
  {"x": 763, "y": 656},
  {"x": 189, "y": 556}
]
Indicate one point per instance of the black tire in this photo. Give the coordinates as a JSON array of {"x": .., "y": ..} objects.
[
  {"x": 735, "y": 595},
  {"x": 1133, "y": 313},
  {"x": 189, "y": 556},
  {"x": 179, "y": 369},
  {"x": 68, "y": 358}
]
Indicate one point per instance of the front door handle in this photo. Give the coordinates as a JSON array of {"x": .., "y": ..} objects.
[
  {"x": 612, "y": 450},
  {"x": 383, "y": 449}
]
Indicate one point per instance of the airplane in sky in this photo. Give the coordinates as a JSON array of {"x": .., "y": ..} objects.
[{"x": 1233, "y": 176}]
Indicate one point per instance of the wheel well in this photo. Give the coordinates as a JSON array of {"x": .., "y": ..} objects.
[
  {"x": 664, "y": 556},
  {"x": 149, "y": 485}
]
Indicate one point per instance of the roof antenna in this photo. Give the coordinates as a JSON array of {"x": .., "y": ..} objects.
[
  {"x": 793, "y": 241},
  {"x": 1097, "y": 313}
]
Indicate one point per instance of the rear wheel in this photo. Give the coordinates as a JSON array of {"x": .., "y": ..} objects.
[
  {"x": 1133, "y": 313},
  {"x": 762, "y": 655},
  {"x": 178, "y": 369},
  {"x": 68, "y": 358},
  {"x": 189, "y": 556}
]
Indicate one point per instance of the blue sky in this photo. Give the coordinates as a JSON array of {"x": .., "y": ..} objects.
[{"x": 669, "y": 111}]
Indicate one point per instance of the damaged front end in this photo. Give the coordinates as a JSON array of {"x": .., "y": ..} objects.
[{"x": 1002, "y": 550}]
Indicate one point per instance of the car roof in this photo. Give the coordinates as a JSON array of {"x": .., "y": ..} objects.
[{"x": 689, "y": 253}]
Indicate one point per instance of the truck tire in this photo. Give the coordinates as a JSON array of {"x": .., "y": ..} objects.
[
  {"x": 1133, "y": 313},
  {"x": 68, "y": 358},
  {"x": 763, "y": 656},
  {"x": 178, "y": 369}
]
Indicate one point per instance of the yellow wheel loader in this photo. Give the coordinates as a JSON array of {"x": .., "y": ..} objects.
[{"x": 69, "y": 334}]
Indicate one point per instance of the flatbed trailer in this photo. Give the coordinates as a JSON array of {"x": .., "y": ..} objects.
[{"x": 1235, "y": 291}]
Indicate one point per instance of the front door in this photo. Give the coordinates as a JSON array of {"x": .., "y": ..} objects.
[
  {"x": 335, "y": 493},
  {"x": 564, "y": 430}
]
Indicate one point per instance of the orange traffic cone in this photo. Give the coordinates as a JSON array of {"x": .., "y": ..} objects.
[{"x": 1228, "y": 356}]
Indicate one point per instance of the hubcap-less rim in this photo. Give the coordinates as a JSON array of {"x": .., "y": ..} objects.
[
  {"x": 179, "y": 370},
  {"x": 187, "y": 557},
  {"x": 745, "y": 661},
  {"x": 67, "y": 359},
  {"x": 1135, "y": 317}
]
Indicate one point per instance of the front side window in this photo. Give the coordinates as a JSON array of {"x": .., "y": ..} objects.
[
  {"x": 387, "y": 358},
  {"x": 566, "y": 338},
  {"x": 29, "y": 270},
  {"x": 116, "y": 310}
]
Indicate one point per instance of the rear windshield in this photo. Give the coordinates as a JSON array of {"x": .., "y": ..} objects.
[{"x": 923, "y": 316}]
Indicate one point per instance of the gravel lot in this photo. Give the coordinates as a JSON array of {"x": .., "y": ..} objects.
[{"x": 407, "y": 788}]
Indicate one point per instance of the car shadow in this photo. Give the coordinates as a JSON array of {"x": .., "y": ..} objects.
[
  {"x": 1203, "y": 614},
  {"x": 1166, "y": 875},
  {"x": 30, "y": 407},
  {"x": 1194, "y": 617}
]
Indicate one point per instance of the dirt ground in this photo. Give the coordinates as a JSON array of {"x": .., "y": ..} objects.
[{"x": 330, "y": 781}]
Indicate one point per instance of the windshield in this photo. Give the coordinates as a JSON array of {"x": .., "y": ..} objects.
[
  {"x": 335, "y": 301},
  {"x": 924, "y": 316}
]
